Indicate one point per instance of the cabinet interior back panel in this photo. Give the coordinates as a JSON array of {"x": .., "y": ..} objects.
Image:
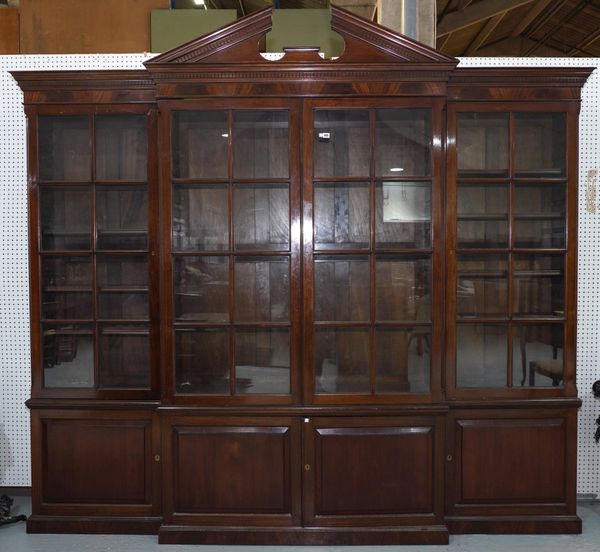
[{"x": 15, "y": 378}]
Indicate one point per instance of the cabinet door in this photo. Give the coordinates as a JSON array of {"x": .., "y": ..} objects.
[
  {"x": 373, "y": 471},
  {"x": 511, "y": 250},
  {"x": 231, "y": 471},
  {"x": 95, "y": 198},
  {"x": 511, "y": 462},
  {"x": 95, "y": 463},
  {"x": 372, "y": 270},
  {"x": 232, "y": 287}
]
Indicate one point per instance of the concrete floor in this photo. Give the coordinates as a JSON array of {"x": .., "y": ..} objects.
[{"x": 14, "y": 539}]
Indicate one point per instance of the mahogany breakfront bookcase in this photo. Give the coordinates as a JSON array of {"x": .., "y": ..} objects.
[{"x": 303, "y": 301}]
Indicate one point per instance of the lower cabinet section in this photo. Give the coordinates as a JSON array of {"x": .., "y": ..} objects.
[
  {"x": 95, "y": 471},
  {"x": 325, "y": 479},
  {"x": 512, "y": 471}
]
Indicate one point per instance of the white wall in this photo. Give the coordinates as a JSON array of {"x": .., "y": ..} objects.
[{"x": 14, "y": 317}]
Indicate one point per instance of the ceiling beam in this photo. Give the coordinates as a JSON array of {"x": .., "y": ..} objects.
[
  {"x": 533, "y": 12},
  {"x": 475, "y": 13},
  {"x": 584, "y": 43},
  {"x": 484, "y": 34},
  {"x": 515, "y": 46}
]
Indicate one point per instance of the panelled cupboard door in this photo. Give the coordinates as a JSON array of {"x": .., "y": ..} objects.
[
  {"x": 231, "y": 471},
  {"x": 95, "y": 463},
  {"x": 372, "y": 246},
  {"x": 231, "y": 199},
  {"x": 511, "y": 463},
  {"x": 373, "y": 471}
]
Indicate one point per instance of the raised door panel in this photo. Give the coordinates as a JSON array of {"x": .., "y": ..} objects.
[
  {"x": 372, "y": 471},
  {"x": 507, "y": 463},
  {"x": 94, "y": 463},
  {"x": 238, "y": 469}
]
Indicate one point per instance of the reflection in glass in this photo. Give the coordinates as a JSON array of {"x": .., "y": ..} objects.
[
  {"x": 539, "y": 285},
  {"x": 342, "y": 288},
  {"x": 123, "y": 357},
  {"x": 260, "y": 144},
  {"x": 65, "y": 148},
  {"x": 403, "y": 288},
  {"x": 68, "y": 355},
  {"x": 341, "y": 142},
  {"x": 481, "y": 355},
  {"x": 262, "y": 361},
  {"x": 261, "y": 217},
  {"x": 539, "y": 215},
  {"x": 341, "y": 215},
  {"x": 121, "y": 147},
  {"x": 403, "y": 214},
  {"x": 200, "y": 218},
  {"x": 122, "y": 287},
  {"x": 538, "y": 355},
  {"x": 262, "y": 289},
  {"x": 201, "y": 287},
  {"x": 540, "y": 144},
  {"x": 122, "y": 217},
  {"x": 482, "y": 215},
  {"x": 66, "y": 218},
  {"x": 481, "y": 288},
  {"x": 403, "y": 142},
  {"x": 66, "y": 287},
  {"x": 202, "y": 361},
  {"x": 200, "y": 142},
  {"x": 342, "y": 360},
  {"x": 482, "y": 144},
  {"x": 403, "y": 360}
]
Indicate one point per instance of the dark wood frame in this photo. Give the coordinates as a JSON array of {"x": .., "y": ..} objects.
[{"x": 378, "y": 68}]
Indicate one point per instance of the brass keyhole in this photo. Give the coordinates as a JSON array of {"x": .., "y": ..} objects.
[{"x": 307, "y": 467}]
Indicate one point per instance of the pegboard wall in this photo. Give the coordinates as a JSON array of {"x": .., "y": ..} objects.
[{"x": 15, "y": 378}]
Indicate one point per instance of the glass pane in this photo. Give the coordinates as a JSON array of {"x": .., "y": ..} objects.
[
  {"x": 539, "y": 285},
  {"x": 122, "y": 217},
  {"x": 482, "y": 285},
  {"x": 342, "y": 360},
  {"x": 121, "y": 147},
  {"x": 342, "y": 288},
  {"x": 66, "y": 218},
  {"x": 65, "y": 148},
  {"x": 262, "y": 363},
  {"x": 403, "y": 214},
  {"x": 403, "y": 360},
  {"x": 342, "y": 215},
  {"x": 403, "y": 142},
  {"x": 68, "y": 355},
  {"x": 260, "y": 144},
  {"x": 403, "y": 288},
  {"x": 202, "y": 361},
  {"x": 341, "y": 143},
  {"x": 482, "y": 215},
  {"x": 66, "y": 287},
  {"x": 200, "y": 218},
  {"x": 262, "y": 289},
  {"x": 122, "y": 287},
  {"x": 540, "y": 144},
  {"x": 124, "y": 356},
  {"x": 201, "y": 286},
  {"x": 539, "y": 215},
  {"x": 200, "y": 142},
  {"x": 481, "y": 355},
  {"x": 482, "y": 144},
  {"x": 261, "y": 217},
  {"x": 538, "y": 355}
]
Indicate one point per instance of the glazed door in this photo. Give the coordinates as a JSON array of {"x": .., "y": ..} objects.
[
  {"x": 232, "y": 261},
  {"x": 371, "y": 245}
]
